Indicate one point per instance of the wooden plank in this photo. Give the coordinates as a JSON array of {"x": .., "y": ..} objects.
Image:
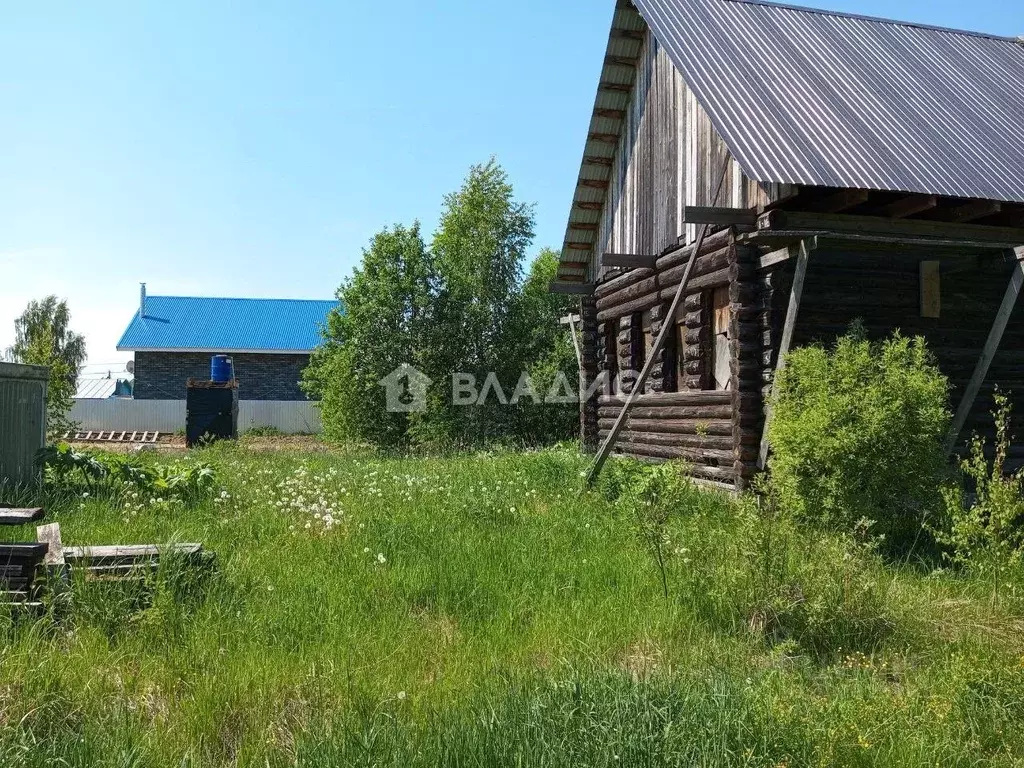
[
  {"x": 123, "y": 552},
  {"x": 718, "y": 217},
  {"x": 783, "y": 254},
  {"x": 21, "y": 515},
  {"x": 987, "y": 353},
  {"x": 576, "y": 289},
  {"x": 666, "y": 328},
  {"x": 802, "y": 255},
  {"x": 50, "y": 535},
  {"x": 635, "y": 261},
  {"x": 931, "y": 291}
]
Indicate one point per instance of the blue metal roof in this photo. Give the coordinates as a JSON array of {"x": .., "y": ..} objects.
[{"x": 199, "y": 324}]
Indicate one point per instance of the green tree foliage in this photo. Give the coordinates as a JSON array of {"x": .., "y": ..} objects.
[
  {"x": 987, "y": 534},
  {"x": 462, "y": 306},
  {"x": 43, "y": 336},
  {"x": 479, "y": 249},
  {"x": 857, "y": 435},
  {"x": 381, "y": 324}
]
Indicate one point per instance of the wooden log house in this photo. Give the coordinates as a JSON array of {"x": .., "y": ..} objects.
[{"x": 828, "y": 168}]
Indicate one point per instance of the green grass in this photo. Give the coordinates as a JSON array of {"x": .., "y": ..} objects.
[{"x": 478, "y": 610}]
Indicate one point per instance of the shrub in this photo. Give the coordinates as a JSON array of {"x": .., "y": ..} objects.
[
  {"x": 988, "y": 533},
  {"x": 857, "y": 433}
]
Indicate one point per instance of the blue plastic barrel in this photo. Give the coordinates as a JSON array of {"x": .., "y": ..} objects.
[{"x": 221, "y": 369}]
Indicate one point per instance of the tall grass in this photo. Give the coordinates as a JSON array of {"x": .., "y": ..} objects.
[{"x": 478, "y": 610}]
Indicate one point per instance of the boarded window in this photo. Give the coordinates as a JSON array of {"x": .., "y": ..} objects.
[
  {"x": 719, "y": 355},
  {"x": 931, "y": 298}
]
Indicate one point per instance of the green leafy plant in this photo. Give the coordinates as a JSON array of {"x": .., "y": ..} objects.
[
  {"x": 856, "y": 433},
  {"x": 988, "y": 531},
  {"x": 64, "y": 465}
]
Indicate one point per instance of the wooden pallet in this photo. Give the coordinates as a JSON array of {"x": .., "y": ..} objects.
[{"x": 113, "y": 436}]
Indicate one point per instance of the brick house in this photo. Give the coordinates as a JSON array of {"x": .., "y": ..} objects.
[{"x": 269, "y": 340}]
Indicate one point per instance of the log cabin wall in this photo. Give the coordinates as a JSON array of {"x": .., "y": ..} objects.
[
  {"x": 668, "y": 156},
  {"x": 883, "y": 290},
  {"x": 679, "y": 416}
]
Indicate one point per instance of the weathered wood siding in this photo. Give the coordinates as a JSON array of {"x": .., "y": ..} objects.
[
  {"x": 669, "y": 156},
  {"x": 717, "y": 432}
]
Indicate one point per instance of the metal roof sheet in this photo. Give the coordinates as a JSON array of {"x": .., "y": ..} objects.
[
  {"x": 188, "y": 323},
  {"x": 810, "y": 97}
]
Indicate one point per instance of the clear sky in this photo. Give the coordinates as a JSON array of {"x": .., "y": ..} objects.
[{"x": 252, "y": 148}]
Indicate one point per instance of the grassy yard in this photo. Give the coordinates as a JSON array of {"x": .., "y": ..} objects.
[{"x": 480, "y": 610}]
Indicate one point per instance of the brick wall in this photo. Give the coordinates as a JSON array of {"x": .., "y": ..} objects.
[{"x": 162, "y": 375}]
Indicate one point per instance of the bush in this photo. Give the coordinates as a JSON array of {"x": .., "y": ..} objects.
[
  {"x": 988, "y": 534},
  {"x": 857, "y": 434}
]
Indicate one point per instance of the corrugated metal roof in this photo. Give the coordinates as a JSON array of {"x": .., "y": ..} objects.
[
  {"x": 188, "y": 323},
  {"x": 816, "y": 98},
  {"x": 99, "y": 389}
]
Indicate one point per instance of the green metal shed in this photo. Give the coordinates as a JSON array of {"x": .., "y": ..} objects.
[{"x": 22, "y": 420}]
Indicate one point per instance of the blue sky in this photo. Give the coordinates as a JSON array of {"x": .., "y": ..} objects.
[{"x": 252, "y": 149}]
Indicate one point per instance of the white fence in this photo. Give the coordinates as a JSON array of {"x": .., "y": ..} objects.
[{"x": 291, "y": 418}]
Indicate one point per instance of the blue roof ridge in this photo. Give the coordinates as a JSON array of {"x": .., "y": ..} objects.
[
  {"x": 240, "y": 298},
  {"x": 879, "y": 20}
]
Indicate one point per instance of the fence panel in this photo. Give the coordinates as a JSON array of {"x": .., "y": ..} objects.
[{"x": 119, "y": 414}]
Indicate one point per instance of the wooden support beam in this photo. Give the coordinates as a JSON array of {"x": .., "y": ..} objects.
[
  {"x": 988, "y": 353},
  {"x": 876, "y": 225},
  {"x": 976, "y": 209},
  {"x": 907, "y": 206},
  {"x": 580, "y": 246},
  {"x": 642, "y": 261},
  {"x": 583, "y": 226},
  {"x": 605, "y": 162},
  {"x": 606, "y": 138},
  {"x": 564, "y": 286},
  {"x": 611, "y": 114},
  {"x": 594, "y": 183},
  {"x": 584, "y": 205},
  {"x": 802, "y": 253},
  {"x": 842, "y": 200},
  {"x": 607, "y": 85},
  {"x": 571, "y": 321},
  {"x": 652, "y": 354},
  {"x": 718, "y": 217},
  {"x": 785, "y": 254},
  {"x": 574, "y": 264}
]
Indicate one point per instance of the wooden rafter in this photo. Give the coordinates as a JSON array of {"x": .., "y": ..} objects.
[
  {"x": 606, "y": 138},
  {"x": 621, "y": 61},
  {"x": 976, "y": 209},
  {"x": 597, "y": 160},
  {"x": 607, "y": 85},
  {"x": 839, "y": 201},
  {"x": 611, "y": 114},
  {"x": 594, "y": 183},
  {"x": 907, "y": 206}
]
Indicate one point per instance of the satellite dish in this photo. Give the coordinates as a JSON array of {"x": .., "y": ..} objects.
[{"x": 130, "y": 367}]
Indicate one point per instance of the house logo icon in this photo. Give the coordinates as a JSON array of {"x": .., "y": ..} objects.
[{"x": 406, "y": 390}]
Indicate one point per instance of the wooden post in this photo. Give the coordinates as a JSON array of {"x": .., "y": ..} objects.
[
  {"x": 570, "y": 320},
  {"x": 659, "y": 342},
  {"x": 995, "y": 336},
  {"x": 802, "y": 252},
  {"x": 58, "y": 575}
]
